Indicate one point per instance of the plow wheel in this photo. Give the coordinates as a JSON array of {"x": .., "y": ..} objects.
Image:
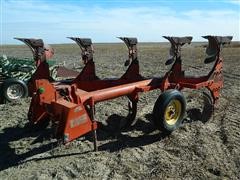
[
  {"x": 169, "y": 110},
  {"x": 199, "y": 106}
]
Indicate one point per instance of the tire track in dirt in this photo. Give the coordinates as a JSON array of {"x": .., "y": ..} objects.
[
  {"x": 230, "y": 129},
  {"x": 231, "y": 77},
  {"x": 231, "y": 86},
  {"x": 231, "y": 125}
]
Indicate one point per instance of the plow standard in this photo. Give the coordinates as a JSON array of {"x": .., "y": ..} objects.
[{"x": 70, "y": 104}]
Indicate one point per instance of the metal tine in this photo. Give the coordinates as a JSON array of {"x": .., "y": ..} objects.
[
  {"x": 179, "y": 40},
  {"x": 214, "y": 46},
  {"x": 32, "y": 41},
  {"x": 86, "y": 47},
  {"x": 129, "y": 41},
  {"x": 36, "y": 45},
  {"x": 82, "y": 42},
  {"x": 220, "y": 39},
  {"x": 175, "y": 49}
]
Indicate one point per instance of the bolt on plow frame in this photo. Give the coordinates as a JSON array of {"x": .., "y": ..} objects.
[{"x": 70, "y": 105}]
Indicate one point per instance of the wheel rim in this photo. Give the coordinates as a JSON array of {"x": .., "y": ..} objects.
[
  {"x": 173, "y": 112},
  {"x": 15, "y": 91}
]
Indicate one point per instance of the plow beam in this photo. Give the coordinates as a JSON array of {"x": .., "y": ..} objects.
[{"x": 121, "y": 90}]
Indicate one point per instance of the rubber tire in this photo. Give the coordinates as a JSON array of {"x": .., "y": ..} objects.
[
  {"x": 10, "y": 82},
  {"x": 160, "y": 106}
]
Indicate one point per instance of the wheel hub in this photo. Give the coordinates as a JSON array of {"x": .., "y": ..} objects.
[
  {"x": 15, "y": 91},
  {"x": 173, "y": 112}
]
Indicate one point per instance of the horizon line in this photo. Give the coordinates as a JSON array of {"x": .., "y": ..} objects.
[{"x": 22, "y": 44}]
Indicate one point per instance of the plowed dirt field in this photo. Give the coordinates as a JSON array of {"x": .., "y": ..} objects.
[{"x": 197, "y": 150}]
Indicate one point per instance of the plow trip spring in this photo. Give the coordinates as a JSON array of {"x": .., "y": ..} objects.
[{"x": 70, "y": 104}]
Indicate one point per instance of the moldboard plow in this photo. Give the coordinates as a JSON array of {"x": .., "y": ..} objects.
[{"x": 70, "y": 104}]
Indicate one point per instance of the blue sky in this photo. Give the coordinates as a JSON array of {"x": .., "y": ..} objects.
[{"x": 103, "y": 21}]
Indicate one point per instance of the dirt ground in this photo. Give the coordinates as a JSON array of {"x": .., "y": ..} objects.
[{"x": 197, "y": 150}]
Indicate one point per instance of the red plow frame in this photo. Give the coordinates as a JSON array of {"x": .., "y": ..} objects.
[{"x": 71, "y": 104}]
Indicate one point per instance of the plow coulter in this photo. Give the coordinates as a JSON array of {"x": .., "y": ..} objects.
[{"x": 70, "y": 104}]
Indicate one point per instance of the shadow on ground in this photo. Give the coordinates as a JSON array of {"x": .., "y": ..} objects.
[
  {"x": 113, "y": 138},
  {"x": 9, "y": 156},
  {"x": 148, "y": 134}
]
